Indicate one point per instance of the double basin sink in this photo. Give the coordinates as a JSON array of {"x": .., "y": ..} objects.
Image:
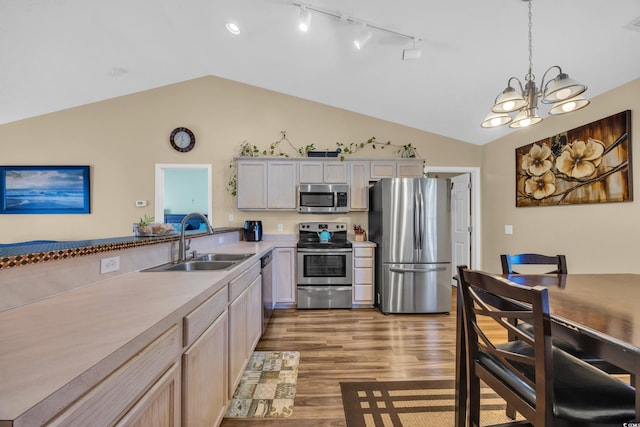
[{"x": 206, "y": 262}]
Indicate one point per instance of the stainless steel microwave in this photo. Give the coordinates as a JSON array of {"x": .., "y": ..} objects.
[{"x": 323, "y": 198}]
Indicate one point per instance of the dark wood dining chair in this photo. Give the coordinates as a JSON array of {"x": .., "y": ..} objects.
[
  {"x": 548, "y": 386},
  {"x": 508, "y": 261},
  {"x": 560, "y": 263}
]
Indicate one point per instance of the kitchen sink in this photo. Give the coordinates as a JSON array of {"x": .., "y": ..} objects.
[
  {"x": 223, "y": 257},
  {"x": 208, "y": 262}
]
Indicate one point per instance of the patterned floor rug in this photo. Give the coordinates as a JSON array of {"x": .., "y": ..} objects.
[
  {"x": 412, "y": 404},
  {"x": 267, "y": 387}
]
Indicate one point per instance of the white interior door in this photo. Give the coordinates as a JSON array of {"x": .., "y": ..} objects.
[{"x": 460, "y": 222}]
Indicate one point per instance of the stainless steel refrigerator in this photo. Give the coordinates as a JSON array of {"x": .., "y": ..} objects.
[{"x": 410, "y": 221}]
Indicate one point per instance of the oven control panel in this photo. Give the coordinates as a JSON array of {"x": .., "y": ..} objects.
[{"x": 319, "y": 226}]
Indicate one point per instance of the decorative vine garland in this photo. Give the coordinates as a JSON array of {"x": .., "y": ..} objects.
[{"x": 274, "y": 150}]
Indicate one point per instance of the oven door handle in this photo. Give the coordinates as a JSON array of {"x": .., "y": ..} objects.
[
  {"x": 326, "y": 287},
  {"x": 337, "y": 251},
  {"x": 416, "y": 270}
]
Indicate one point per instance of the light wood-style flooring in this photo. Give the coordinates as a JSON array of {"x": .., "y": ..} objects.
[{"x": 354, "y": 345}]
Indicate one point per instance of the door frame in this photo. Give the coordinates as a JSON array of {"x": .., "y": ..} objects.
[{"x": 476, "y": 255}]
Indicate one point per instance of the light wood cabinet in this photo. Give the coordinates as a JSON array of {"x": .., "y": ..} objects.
[
  {"x": 109, "y": 401},
  {"x": 410, "y": 169},
  {"x": 310, "y": 172},
  {"x": 254, "y": 314},
  {"x": 284, "y": 276},
  {"x": 251, "y": 185},
  {"x": 205, "y": 366},
  {"x": 245, "y": 321},
  {"x": 336, "y": 172},
  {"x": 323, "y": 171},
  {"x": 237, "y": 339},
  {"x": 160, "y": 406},
  {"x": 382, "y": 169},
  {"x": 271, "y": 184},
  {"x": 266, "y": 184},
  {"x": 400, "y": 168},
  {"x": 359, "y": 185},
  {"x": 205, "y": 362},
  {"x": 363, "y": 277}
]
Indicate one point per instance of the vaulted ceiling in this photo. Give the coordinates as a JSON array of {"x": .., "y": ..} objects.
[{"x": 57, "y": 54}]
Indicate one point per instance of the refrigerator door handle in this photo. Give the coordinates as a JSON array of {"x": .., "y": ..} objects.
[
  {"x": 421, "y": 218},
  {"x": 417, "y": 244},
  {"x": 416, "y": 270}
]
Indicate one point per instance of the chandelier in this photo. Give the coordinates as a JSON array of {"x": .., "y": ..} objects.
[{"x": 563, "y": 93}]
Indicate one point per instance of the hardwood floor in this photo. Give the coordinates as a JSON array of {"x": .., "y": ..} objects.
[{"x": 354, "y": 345}]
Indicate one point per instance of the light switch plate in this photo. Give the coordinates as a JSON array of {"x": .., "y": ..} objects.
[{"x": 508, "y": 229}]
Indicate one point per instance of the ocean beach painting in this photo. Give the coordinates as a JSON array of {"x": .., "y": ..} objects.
[{"x": 44, "y": 189}]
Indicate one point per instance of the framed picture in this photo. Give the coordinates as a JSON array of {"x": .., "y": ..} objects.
[
  {"x": 44, "y": 190},
  {"x": 588, "y": 164}
]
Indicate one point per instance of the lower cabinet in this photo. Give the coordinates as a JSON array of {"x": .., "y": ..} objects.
[
  {"x": 238, "y": 338},
  {"x": 284, "y": 276},
  {"x": 144, "y": 389},
  {"x": 186, "y": 376},
  {"x": 205, "y": 366},
  {"x": 363, "y": 276},
  {"x": 245, "y": 322},
  {"x": 160, "y": 406}
]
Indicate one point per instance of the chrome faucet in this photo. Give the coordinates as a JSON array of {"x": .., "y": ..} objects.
[{"x": 183, "y": 248}]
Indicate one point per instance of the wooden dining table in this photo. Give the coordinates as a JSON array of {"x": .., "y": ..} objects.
[{"x": 598, "y": 313}]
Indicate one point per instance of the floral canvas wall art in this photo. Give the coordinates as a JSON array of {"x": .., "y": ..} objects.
[{"x": 588, "y": 164}]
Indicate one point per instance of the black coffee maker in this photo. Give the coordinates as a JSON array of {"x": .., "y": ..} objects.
[{"x": 252, "y": 231}]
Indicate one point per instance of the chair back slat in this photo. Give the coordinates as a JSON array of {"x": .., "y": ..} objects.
[
  {"x": 490, "y": 302},
  {"x": 508, "y": 261}
]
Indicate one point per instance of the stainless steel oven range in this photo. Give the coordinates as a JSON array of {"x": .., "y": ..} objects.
[{"x": 324, "y": 265}]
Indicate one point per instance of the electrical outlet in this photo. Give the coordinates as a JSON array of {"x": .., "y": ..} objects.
[
  {"x": 231, "y": 217},
  {"x": 107, "y": 265},
  {"x": 508, "y": 229},
  {"x": 280, "y": 228}
]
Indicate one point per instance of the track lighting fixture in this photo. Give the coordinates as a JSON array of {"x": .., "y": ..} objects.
[
  {"x": 305, "y": 19},
  {"x": 364, "y": 36},
  {"x": 413, "y": 53},
  {"x": 562, "y": 92}
]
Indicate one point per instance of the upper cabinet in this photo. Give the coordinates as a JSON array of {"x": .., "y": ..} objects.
[
  {"x": 266, "y": 184},
  {"x": 318, "y": 172},
  {"x": 359, "y": 185},
  {"x": 271, "y": 183},
  {"x": 399, "y": 168},
  {"x": 382, "y": 169}
]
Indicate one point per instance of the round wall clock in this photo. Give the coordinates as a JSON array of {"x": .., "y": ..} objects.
[{"x": 182, "y": 139}]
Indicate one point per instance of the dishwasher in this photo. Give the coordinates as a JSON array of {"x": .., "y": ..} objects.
[{"x": 267, "y": 288}]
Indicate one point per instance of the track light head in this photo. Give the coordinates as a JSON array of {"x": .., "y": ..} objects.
[
  {"x": 408, "y": 54},
  {"x": 363, "y": 38},
  {"x": 304, "y": 20}
]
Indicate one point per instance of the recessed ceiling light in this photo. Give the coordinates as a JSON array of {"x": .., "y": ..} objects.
[{"x": 233, "y": 28}]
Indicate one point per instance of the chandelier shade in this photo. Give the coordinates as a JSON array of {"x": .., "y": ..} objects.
[
  {"x": 561, "y": 88},
  {"x": 569, "y": 105},
  {"x": 496, "y": 119},
  {"x": 524, "y": 119},
  {"x": 509, "y": 100},
  {"x": 562, "y": 92}
]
